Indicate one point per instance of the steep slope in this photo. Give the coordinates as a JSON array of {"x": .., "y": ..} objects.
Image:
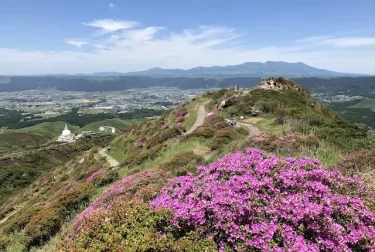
[{"x": 294, "y": 124}]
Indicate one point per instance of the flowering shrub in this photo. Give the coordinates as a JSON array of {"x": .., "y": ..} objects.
[
  {"x": 250, "y": 200},
  {"x": 178, "y": 125},
  {"x": 95, "y": 174}
]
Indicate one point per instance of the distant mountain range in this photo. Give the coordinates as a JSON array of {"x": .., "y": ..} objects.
[{"x": 248, "y": 69}]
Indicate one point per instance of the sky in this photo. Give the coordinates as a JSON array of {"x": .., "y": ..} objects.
[{"x": 86, "y": 36}]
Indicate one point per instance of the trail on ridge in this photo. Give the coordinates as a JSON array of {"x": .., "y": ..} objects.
[
  {"x": 200, "y": 117},
  {"x": 113, "y": 162}
]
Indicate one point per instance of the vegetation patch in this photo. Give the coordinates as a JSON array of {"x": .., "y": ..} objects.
[{"x": 183, "y": 163}]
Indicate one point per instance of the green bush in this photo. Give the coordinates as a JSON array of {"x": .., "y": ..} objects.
[
  {"x": 136, "y": 227},
  {"x": 183, "y": 163}
]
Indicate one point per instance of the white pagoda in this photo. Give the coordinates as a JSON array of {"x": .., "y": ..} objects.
[{"x": 66, "y": 136}]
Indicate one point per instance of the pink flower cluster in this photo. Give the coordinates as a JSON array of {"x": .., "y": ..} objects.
[
  {"x": 96, "y": 174},
  {"x": 253, "y": 201},
  {"x": 210, "y": 115},
  {"x": 180, "y": 114},
  {"x": 139, "y": 143},
  {"x": 164, "y": 126}
]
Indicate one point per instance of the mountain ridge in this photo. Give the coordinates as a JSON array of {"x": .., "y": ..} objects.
[
  {"x": 249, "y": 69},
  {"x": 246, "y": 69}
]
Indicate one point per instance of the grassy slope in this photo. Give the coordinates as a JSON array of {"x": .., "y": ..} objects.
[
  {"x": 138, "y": 159},
  {"x": 367, "y": 103}
]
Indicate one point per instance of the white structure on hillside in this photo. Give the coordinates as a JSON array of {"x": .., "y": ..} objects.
[
  {"x": 66, "y": 136},
  {"x": 105, "y": 128}
]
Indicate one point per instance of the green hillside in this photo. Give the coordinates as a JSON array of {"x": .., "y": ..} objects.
[
  {"x": 366, "y": 103},
  {"x": 30, "y": 137},
  {"x": 119, "y": 124},
  {"x": 208, "y": 208}
]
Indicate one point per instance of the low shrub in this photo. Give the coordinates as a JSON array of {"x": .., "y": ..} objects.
[
  {"x": 222, "y": 137},
  {"x": 213, "y": 120},
  {"x": 252, "y": 201},
  {"x": 222, "y": 125},
  {"x": 183, "y": 163},
  {"x": 205, "y": 131},
  {"x": 357, "y": 162},
  {"x": 136, "y": 227}
]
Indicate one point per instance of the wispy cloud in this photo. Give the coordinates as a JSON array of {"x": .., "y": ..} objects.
[
  {"x": 110, "y": 25},
  {"x": 338, "y": 41},
  {"x": 112, "y": 5},
  {"x": 350, "y": 41},
  {"x": 74, "y": 42}
]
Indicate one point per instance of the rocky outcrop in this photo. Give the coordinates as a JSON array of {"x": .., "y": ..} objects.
[{"x": 227, "y": 102}]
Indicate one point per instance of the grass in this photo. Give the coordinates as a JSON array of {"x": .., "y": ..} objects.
[
  {"x": 366, "y": 103},
  {"x": 268, "y": 124}
]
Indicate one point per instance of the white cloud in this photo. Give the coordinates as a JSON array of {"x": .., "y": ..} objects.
[
  {"x": 112, "y": 5},
  {"x": 78, "y": 43},
  {"x": 350, "y": 41},
  {"x": 338, "y": 41},
  {"x": 312, "y": 39},
  {"x": 125, "y": 48},
  {"x": 110, "y": 25}
]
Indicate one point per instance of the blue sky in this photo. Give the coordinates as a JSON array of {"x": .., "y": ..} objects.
[{"x": 83, "y": 36}]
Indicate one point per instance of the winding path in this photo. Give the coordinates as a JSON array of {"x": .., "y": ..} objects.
[
  {"x": 252, "y": 129},
  {"x": 113, "y": 162},
  {"x": 200, "y": 117}
]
